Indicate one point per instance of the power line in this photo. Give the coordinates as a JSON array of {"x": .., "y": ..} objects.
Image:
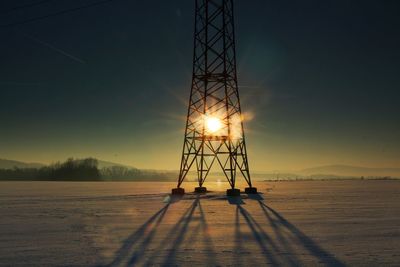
[
  {"x": 24, "y": 6},
  {"x": 55, "y": 14},
  {"x": 52, "y": 47}
]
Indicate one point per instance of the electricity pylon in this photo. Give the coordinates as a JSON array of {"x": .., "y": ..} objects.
[{"x": 214, "y": 128}]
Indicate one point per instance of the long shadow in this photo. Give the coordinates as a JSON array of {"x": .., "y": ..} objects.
[
  {"x": 287, "y": 236},
  {"x": 272, "y": 249},
  {"x": 235, "y": 200},
  {"x": 202, "y": 230},
  {"x": 287, "y": 245},
  {"x": 263, "y": 240},
  {"x": 179, "y": 232},
  {"x": 125, "y": 251},
  {"x": 289, "y": 259},
  {"x": 146, "y": 242},
  {"x": 178, "y": 227},
  {"x": 265, "y": 243},
  {"x": 174, "y": 239},
  {"x": 238, "y": 241},
  {"x": 280, "y": 224}
]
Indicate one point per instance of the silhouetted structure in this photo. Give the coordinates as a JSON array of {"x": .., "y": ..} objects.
[{"x": 214, "y": 127}]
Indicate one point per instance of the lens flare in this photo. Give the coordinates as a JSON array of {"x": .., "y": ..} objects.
[{"x": 213, "y": 124}]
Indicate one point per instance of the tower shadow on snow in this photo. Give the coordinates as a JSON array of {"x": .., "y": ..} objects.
[
  {"x": 126, "y": 251},
  {"x": 180, "y": 232},
  {"x": 282, "y": 249},
  {"x": 288, "y": 238},
  {"x": 134, "y": 247},
  {"x": 280, "y": 225}
]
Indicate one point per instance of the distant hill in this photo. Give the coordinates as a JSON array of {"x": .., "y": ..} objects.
[
  {"x": 11, "y": 164},
  {"x": 323, "y": 171},
  {"x": 346, "y": 170}
]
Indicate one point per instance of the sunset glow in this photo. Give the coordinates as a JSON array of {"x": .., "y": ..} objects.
[{"x": 213, "y": 124}]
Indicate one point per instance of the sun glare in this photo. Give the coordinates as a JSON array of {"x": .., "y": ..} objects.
[{"x": 213, "y": 124}]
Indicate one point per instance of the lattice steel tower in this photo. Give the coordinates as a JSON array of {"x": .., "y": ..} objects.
[{"x": 214, "y": 127}]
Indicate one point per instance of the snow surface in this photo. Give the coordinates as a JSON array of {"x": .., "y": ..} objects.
[{"x": 331, "y": 223}]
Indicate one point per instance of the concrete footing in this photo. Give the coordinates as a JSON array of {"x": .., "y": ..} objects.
[
  {"x": 250, "y": 190},
  {"x": 233, "y": 192},
  {"x": 200, "y": 190},
  {"x": 178, "y": 191}
]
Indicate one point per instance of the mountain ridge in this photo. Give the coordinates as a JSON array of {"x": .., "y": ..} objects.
[
  {"x": 11, "y": 164},
  {"x": 349, "y": 170},
  {"x": 333, "y": 169}
]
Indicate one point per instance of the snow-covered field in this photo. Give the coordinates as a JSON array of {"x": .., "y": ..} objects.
[{"x": 306, "y": 223}]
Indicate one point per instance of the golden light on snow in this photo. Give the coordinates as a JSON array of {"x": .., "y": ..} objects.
[{"x": 213, "y": 124}]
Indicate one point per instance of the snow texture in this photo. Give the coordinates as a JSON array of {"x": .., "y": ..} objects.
[{"x": 306, "y": 223}]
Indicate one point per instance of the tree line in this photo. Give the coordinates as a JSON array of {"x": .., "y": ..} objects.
[{"x": 81, "y": 170}]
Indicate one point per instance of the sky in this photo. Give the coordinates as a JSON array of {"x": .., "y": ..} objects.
[{"x": 320, "y": 80}]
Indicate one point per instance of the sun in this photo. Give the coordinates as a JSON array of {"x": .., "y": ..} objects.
[{"x": 213, "y": 124}]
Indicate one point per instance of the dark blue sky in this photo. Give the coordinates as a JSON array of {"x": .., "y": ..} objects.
[{"x": 320, "y": 79}]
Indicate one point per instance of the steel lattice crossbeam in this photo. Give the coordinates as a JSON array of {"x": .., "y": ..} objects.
[{"x": 214, "y": 93}]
